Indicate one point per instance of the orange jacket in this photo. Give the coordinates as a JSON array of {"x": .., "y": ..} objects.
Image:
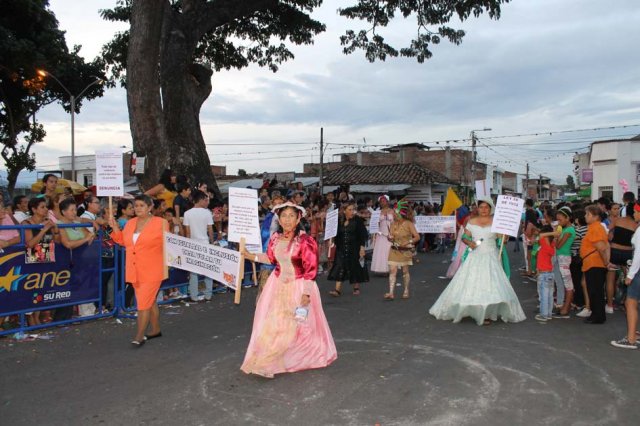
[{"x": 145, "y": 259}]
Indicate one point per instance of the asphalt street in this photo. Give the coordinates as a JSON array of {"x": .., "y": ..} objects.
[{"x": 396, "y": 365}]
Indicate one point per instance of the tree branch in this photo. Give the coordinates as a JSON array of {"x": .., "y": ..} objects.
[{"x": 213, "y": 14}]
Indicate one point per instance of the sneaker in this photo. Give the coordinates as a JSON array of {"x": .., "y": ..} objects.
[
  {"x": 608, "y": 309},
  {"x": 541, "y": 318},
  {"x": 584, "y": 313},
  {"x": 624, "y": 343},
  {"x": 561, "y": 315},
  {"x": 200, "y": 297}
]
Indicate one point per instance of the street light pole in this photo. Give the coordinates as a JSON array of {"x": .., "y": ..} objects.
[
  {"x": 72, "y": 99},
  {"x": 473, "y": 155}
]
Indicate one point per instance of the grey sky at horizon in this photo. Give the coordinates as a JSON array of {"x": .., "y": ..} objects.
[{"x": 541, "y": 67}]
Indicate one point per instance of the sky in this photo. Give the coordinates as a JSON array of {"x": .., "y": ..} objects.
[{"x": 543, "y": 67}]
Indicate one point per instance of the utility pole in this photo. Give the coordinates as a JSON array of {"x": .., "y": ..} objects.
[
  {"x": 473, "y": 156},
  {"x": 321, "y": 159},
  {"x": 526, "y": 190},
  {"x": 540, "y": 186}
]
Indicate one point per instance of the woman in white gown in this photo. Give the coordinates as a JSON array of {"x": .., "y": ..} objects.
[{"x": 480, "y": 289}]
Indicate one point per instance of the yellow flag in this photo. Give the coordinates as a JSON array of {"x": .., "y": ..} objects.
[{"x": 451, "y": 203}]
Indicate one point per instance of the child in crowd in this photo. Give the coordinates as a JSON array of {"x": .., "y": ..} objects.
[{"x": 544, "y": 265}]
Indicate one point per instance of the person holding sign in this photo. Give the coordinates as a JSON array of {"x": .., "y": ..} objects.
[
  {"x": 143, "y": 239},
  {"x": 403, "y": 236},
  {"x": 382, "y": 245},
  {"x": 350, "y": 242},
  {"x": 480, "y": 289},
  {"x": 290, "y": 331}
]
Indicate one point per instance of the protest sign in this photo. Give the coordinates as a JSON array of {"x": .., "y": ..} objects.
[
  {"x": 218, "y": 263},
  {"x": 482, "y": 188},
  {"x": 109, "y": 174},
  {"x": 331, "y": 225},
  {"x": 436, "y": 224},
  {"x": 507, "y": 216},
  {"x": 374, "y": 222},
  {"x": 243, "y": 215}
]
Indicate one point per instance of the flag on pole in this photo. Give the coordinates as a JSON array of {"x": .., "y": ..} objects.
[{"x": 451, "y": 202}]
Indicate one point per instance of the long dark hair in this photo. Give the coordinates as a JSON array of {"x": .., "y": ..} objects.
[
  {"x": 122, "y": 206},
  {"x": 165, "y": 179}
]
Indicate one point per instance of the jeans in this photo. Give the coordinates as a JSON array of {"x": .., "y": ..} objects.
[
  {"x": 193, "y": 286},
  {"x": 545, "y": 291}
]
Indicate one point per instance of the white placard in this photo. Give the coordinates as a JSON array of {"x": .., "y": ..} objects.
[
  {"x": 374, "y": 222},
  {"x": 109, "y": 174},
  {"x": 220, "y": 264},
  {"x": 140, "y": 161},
  {"x": 435, "y": 224},
  {"x": 331, "y": 224},
  {"x": 243, "y": 215},
  {"x": 482, "y": 188},
  {"x": 508, "y": 214}
]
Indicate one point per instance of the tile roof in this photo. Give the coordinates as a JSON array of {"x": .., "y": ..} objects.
[{"x": 390, "y": 173}]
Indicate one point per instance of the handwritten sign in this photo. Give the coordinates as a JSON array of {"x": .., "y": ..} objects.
[
  {"x": 374, "y": 222},
  {"x": 140, "y": 163},
  {"x": 243, "y": 215},
  {"x": 436, "y": 224},
  {"x": 331, "y": 225},
  {"x": 220, "y": 264},
  {"x": 506, "y": 219},
  {"x": 109, "y": 174}
]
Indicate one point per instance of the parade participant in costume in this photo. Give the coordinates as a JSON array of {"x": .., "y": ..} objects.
[
  {"x": 382, "y": 245},
  {"x": 145, "y": 269},
  {"x": 402, "y": 236},
  {"x": 481, "y": 288},
  {"x": 349, "y": 264},
  {"x": 463, "y": 216},
  {"x": 290, "y": 331}
]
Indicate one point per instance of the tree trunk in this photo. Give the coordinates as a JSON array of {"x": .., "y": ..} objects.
[
  {"x": 185, "y": 87},
  {"x": 165, "y": 92},
  {"x": 12, "y": 178}
]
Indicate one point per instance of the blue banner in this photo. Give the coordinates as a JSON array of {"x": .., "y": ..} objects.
[{"x": 73, "y": 277}]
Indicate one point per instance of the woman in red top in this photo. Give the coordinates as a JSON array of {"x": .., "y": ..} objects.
[{"x": 143, "y": 238}]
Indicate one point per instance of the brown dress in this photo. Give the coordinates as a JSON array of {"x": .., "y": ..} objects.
[{"x": 401, "y": 233}]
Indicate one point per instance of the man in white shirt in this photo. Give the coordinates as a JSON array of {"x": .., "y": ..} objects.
[
  {"x": 198, "y": 225},
  {"x": 20, "y": 208}
]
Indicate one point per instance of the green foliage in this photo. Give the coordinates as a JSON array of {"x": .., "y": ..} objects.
[
  {"x": 431, "y": 21},
  {"x": 571, "y": 184},
  {"x": 31, "y": 41}
]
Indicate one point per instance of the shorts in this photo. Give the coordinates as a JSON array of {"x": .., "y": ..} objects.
[
  {"x": 620, "y": 257},
  {"x": 633, "y": 289}
]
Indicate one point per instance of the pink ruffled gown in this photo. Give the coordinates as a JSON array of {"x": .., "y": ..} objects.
[
  {"x": 382, "y": 246},
  {"x": 279, "y": 344}
]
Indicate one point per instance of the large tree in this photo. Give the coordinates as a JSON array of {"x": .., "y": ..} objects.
[
  {"x": 169, "y": 54},
  {"x": 30, "y": 40}
]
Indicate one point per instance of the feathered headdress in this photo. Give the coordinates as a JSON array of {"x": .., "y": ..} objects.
[{"x": 402, "y": 208}]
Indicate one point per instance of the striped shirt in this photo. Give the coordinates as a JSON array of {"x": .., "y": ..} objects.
[{"x": 575, "y": 247}]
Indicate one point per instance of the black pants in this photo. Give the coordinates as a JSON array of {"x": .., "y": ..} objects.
[
  {"x": 576, "y": 277},
  {"x": 595, "y": 278}
]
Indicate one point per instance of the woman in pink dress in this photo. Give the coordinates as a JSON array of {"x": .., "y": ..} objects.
[
  {"x": 290, "y": 332},
  {"x": 382, "y": 245}
]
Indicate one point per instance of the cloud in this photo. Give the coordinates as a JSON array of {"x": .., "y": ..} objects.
[{"x": 545, "y": 65}]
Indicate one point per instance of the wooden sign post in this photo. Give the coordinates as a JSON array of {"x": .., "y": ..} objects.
[{"x": 236, "y": 299}]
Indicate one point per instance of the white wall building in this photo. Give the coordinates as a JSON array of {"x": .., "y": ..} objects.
[
  {"x": 612, "y": 161},
  {"x": 85, "y": 168}
]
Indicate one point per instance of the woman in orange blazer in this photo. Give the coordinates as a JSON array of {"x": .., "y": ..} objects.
[{"x": 143, "y": 239}]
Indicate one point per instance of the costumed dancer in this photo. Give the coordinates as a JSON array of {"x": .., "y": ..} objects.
[
  {"x": 403, "y": 237},
  {"x": 382, "y": 245},
  {"x": 481, "y": 288},
  {"x": 290, "y": 331}
]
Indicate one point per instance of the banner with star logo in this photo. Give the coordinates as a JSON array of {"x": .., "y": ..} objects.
[{"x": 72, "y": 278}]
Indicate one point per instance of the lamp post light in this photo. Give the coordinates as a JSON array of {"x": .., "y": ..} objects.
[
  {"x": 473, "y": 154},
  {"x": 73, "y": 99}
]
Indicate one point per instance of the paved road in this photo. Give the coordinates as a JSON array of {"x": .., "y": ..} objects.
[{"x": 396, "y": 366}]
